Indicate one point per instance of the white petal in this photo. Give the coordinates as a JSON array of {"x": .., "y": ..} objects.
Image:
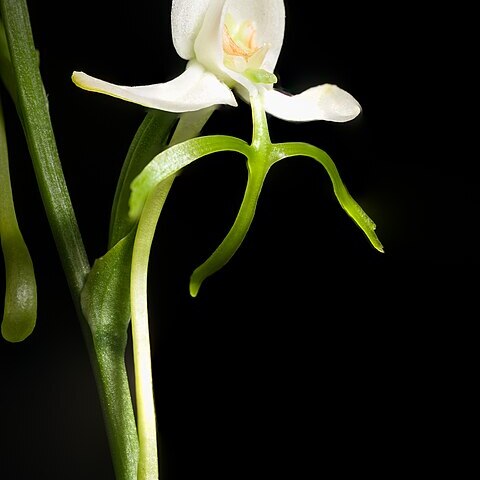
[
  {"x": 186, "y": 20},
  {"x": 193, "y": 90},
  {"x": 324, "y": 102},
  {"x": 209, "y": 41}
]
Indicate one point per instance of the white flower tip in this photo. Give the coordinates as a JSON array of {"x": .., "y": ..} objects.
[
  {"x": 76, "y": 76},
  {"x": 323, "y": 102},
  {"x": 80, "y": 79},
  {"x": 338, "y": 104}
]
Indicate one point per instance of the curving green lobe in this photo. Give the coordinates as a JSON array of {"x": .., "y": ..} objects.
[
  {"x": 173, "y": 160},
  {"x": 259, "y": 163},
  {"x": 20, "y": 309},
  {"x": 284, "y": 150},
  {"x": 260, "y": 157},
  {"x": 236, "y": 235}
]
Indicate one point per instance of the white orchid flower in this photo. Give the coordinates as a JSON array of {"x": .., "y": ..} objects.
[
  {"x": 231, "y": 48},
  {"x": 230, "y": 44}
]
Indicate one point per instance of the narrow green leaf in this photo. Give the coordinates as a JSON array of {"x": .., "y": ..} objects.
[
  {"x": 151, "y": 138},
  {"x": 6, "y": 70},
  {"x": 20, "y": 309}
]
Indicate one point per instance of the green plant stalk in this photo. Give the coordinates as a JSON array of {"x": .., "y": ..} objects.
[
  {"x": 147, "y": 429},
  {"x": 32, "y": 107},
  {"x": 189, "y": 126}
]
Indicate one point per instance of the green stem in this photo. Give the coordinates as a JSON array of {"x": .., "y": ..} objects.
[
  {"x": 32, "y": 107},
  {"x": 260, "y": 134},
  {"x": 189, "y": 126},
  {"x": 147, "y": 431},
  {"x": 33, "y": 110}
]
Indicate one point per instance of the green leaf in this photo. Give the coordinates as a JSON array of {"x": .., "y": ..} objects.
[
  {"x": 151, "y": 138},
  {"x": 105, "y": 298},
  {"x": 20, "y": 309},
  {"x": 6, "y": 69}
]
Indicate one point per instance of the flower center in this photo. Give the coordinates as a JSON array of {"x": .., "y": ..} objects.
[{"x": 241, "y": 52}]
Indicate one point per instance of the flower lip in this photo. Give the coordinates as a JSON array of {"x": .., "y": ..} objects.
[
  {"x": 237, "y": 37},
  {"x": 239, "y": 41},
  {"x": 240, "y": 50}
]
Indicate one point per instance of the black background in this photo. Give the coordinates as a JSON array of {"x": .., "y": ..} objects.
[{"x": 310, "y": 354}]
